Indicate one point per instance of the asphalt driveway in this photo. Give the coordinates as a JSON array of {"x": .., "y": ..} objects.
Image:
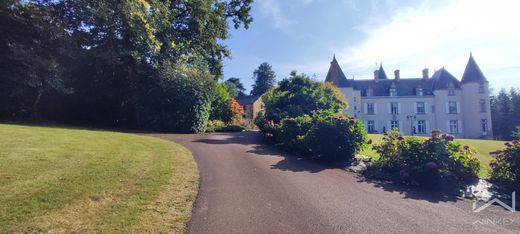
[{"x": 248, "y": 187}]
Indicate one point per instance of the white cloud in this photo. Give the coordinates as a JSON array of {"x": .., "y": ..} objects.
[
  {"x": 419, "y": 36},
  {"x": 272, "y": 9}
]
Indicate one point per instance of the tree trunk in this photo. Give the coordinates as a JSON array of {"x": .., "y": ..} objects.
[{"x": 36, "y": 105}]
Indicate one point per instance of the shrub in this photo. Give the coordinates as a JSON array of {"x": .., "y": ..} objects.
[
  {"x": 236, "y": 111},
  {"x": 231, "y": 128},
  {"x": 178, "y": 100},
  {"x": 213, "y": 125},
  {"x": 220, "y": 105},
  {"x": 427, "y": 160},
  {"x": 335, "y": 138},
  {"x": 506, "y": 165}
]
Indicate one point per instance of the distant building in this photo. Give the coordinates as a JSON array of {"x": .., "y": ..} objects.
[
  {"x": 418, "y": 105},
  {"x": 251, "y": 106}
]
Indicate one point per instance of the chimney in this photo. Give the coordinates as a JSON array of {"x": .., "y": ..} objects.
[
  {"x": 376, "y": 75},
  {"x": 397, "y": 75},
  {"x": 425, "y": 74}
]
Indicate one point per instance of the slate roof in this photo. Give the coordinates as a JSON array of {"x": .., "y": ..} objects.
[
  {"x": 335, "y": 75},
  {"x": 441, "y": 79},
  {"x": 381, "y": 74},
  {"x": 472, "y": 73},
  {"x": 245, "y": 100},
  {"x": 404, "y": 87}
]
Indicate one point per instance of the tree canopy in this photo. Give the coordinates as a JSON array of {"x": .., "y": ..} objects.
[
  {"x": 264, "y": 78},
  {"x": 299, "y": 95},
  {"x": 96, "y": 62}
]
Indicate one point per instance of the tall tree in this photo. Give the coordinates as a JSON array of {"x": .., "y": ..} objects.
[
  {"x": 239, "y": 86},
  {"x": 32, "y": 45},
  {"x": 264, "y": 78}
]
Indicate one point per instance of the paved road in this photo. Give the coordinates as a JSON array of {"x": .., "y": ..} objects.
[{"x": 247, "y": 187}]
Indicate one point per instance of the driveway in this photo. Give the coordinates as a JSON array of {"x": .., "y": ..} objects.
[{"x": 248, "y": 187}]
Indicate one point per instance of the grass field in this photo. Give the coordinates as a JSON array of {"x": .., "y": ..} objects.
[
  {"x": 72, "y": 180},
  {"x": 483, "y": 147}
]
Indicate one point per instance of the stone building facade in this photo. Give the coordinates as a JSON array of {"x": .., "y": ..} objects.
[{"x": 415, "y": 106}]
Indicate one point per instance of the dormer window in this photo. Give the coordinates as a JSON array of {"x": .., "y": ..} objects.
[
  {"x": 370, "y": 92},
  {"x": 451, "y": 89},
  {"x": 419, "y": 91},
  {"x": 393, "y": 90}
]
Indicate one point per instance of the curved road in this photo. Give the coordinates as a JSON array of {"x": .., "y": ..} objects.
[{"x": 248, "y": 187}]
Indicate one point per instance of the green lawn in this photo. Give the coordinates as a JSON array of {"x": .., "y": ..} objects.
[
  {"x": 71, "y": 180},
  {"x": 483, "y": 147}
]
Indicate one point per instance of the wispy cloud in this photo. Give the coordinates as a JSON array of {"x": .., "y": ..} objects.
[
  {"x": 419, "y": 36},
  {"x": 272, "y": 8}
]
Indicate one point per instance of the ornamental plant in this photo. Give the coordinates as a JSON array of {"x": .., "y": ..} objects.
[
  {"x": 506, "y": 165},
  {"x": 427, "y": 160}
]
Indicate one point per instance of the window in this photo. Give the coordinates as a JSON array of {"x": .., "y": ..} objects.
[
  {"x": 394, "y": 124},
  {"x": 452, "y": 107},
  {"x": 394, "y": 108},
  {"x": 482, "y": 105},
  {"x": 371, "y": 126},
  {"x": 484, "y": 126},
  {"x": 393, "y": 91},
  {"x": 419, "y": 91},
  {"x": 421, "y": 126},
  {"x": 451, "y": 89},
  {"x": 454, "y": 126},
  {"x": 481, "y": 88},
  {"x": 421, "y": 109},
  {"x": 370, "y": 109},
  {"x": 370, "y": 92}
]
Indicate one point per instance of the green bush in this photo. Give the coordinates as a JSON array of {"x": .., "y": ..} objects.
[
  {"x": 335, "y": 138},
  {"x": 506, "y": 165},
  {"x": 427, "y": 160},
  {"x": 213, "y": 125},
  {"x": 178, "y": 100},
  {"x": 321, "y": 136},
  {"x": 231, "y": 128}
]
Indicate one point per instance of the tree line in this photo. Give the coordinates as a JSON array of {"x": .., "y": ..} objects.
[
  {"x": 505, "y": 113},
  {"x": 130, "y": 63}
]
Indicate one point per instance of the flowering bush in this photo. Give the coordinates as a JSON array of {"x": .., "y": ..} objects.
[
  {"x": 427, "y": 160},
  {"x": 506, "y": 165}
]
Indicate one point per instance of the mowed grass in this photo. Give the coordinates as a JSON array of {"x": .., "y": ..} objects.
[
  {"x": 483, "y": 147},
  {"x": 85, "y": 181}
]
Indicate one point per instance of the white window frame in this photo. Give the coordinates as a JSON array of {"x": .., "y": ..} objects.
[
  {"x": 454, "y": 126},
  {"x": 395, "y": 124},
  {"x": 418, "y": 128},
  {"x": 371, "y": 126},
  {"x": 371, "y": 111},
  {"x": 453, "y": 107},
  {"x": 423, "y": 107},
  {"x": 394, "y": 108},
  {"x": 482, "y": 105}
]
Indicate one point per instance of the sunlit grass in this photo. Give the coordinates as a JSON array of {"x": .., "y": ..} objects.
[{"x": 72, "y": 180}]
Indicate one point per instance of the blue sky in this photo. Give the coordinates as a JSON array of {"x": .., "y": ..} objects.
[{"x": 402, "y": 34}]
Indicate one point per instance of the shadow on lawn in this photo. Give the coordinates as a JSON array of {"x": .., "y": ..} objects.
[{"x": 289, "y": 162}]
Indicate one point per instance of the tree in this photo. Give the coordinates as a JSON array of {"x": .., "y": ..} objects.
[
  {"x": 31, "y": 45},
  {"x": 239, "y": 86},
  {"x": 264, "y": 78},
  {"x": 237, "y": 111},
  {"x": 299, "y": 95},
  {"x": 220, "y": 107},
  {"x": 231, "y": 88}
]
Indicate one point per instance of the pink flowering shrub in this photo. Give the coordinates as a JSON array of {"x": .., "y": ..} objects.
[
  {"x": 506, "y": 165},
  {"x": 426, "y": 160}
]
